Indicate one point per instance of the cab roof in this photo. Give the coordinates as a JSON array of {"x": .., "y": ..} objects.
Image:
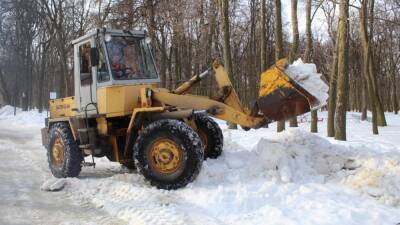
[{"x": 137, "y": 33}]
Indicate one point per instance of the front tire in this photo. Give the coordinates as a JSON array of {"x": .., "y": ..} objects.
[
  {"x": 169, "y": 154},
  {"x": 63, "y": 154},
  {"x": 211, "y": 136}
]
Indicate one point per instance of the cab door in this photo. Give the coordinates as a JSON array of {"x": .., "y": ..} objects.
[{"x": 85, "y": 77}]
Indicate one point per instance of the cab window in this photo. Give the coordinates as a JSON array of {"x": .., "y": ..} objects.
[
  {"x": 84, "y": 64},
  {"x": 130, "y": 59},
  {"x": 102, "y": 70}
]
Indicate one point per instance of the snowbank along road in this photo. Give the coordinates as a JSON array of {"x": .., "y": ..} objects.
[{"x": 261, "y": 178}]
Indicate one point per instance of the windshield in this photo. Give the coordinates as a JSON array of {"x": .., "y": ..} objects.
[{"x": 130, "y": 58}]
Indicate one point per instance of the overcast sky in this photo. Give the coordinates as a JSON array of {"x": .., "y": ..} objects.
[{"x": 319, "y": 24}]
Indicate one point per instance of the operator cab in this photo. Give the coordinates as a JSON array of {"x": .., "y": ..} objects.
[
  {"x": 130, "y": 59},
  {"x": 111, "y": 62}
]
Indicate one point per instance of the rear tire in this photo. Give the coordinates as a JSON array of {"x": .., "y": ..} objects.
[
  {"x": 211, "y": 136},
  {"x": 169, "y": 154},
  {"x": 63, "y": 154}
]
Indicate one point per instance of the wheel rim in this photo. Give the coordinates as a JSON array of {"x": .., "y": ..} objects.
[
  {"x": 166, "y": 156},
  {"x": 58, "y": 152},
  {"x": 204, "y": 139}
]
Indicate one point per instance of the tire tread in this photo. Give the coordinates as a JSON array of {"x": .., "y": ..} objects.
[{"x": 72, "y": 154}]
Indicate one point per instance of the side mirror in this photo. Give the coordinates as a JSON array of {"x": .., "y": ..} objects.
[{"x": 94, "y": 56}]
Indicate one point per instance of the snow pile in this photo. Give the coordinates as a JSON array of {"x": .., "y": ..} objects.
[
  {"x": 291, "y": 157},
  {"x": 306, "y": 75},
  {"x": 301, "y": 157},
  {"x": 32, "y": 117},
  {"x": 298, "y": 156},
  {"x": 294, "y": 171},
  {"x": 377, "y": 176}
]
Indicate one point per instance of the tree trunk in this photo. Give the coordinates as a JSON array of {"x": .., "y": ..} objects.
[
  {"x": 278, "y": 31},
  {"x": 164, "y": 59},
  {"x": 366, "y": 61},
  {"x": 4, "y": 90},
  {"x": 342, "y": 85},
  {"x": 41, "y": 78},
  {"x": 294, "y": 47},
  {"x": 263, "y": 39},
  {"x": 278, "y": 46},
  {"x": 307, "y": 59},
  {"x": 394, "y": 89},
  {"x": 224, "y": 6},
  {"x": 212, "y": 14},
  {"x": 392, "y": 73},
  {"x": 333, "y": 90},
  {"x": 309, "y": 41},
  {"x": 295, "y": 32},
  {"x": 381, "y": 120},
  {"x": 364, "y": 103}
]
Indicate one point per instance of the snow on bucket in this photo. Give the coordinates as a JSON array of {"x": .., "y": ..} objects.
[{"x": 306, "y": 75}]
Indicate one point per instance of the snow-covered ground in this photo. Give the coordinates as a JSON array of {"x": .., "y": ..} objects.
[{"x": 261, "y": 178}]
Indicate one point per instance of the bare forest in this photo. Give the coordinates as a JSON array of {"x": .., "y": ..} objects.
[{"x": 354, "y": 43}]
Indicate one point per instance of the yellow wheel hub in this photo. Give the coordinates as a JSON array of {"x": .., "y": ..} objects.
[
  {"x": 165, "y": 155},
  {"x": 58, "y": 152}
]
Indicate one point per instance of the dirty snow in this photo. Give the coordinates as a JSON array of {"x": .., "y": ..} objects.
[
  {"x": 306, "y": 75},
  {"x": 261, "y": 178},
  {"x": 23, "y": 170}
]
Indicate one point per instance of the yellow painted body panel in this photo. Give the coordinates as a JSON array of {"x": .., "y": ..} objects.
[
  {"x": 218, "y": 109},
  {"x": 281, "y": 97},
  {"x": 274, "y": 78},
  {"x": 62, "y": 107},
  {"x": 222, "y": 78},
  {"x": 119, "y": 100}
]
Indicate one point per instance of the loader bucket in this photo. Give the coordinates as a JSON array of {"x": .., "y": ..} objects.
[{"x": 280, "y": 97}]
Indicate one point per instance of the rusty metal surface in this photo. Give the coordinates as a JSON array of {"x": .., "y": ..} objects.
[
  {"x": 286, "y": 102},
  {"x": 280, "y": 97}
]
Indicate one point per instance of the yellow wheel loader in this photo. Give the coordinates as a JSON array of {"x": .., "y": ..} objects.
[{"x": 120, "y": 112}]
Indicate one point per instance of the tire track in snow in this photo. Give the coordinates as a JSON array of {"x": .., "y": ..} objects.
[{"x": 22, "y": 171}]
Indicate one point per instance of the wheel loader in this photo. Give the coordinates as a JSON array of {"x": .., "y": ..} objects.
[{"x": 120, "y": 112}]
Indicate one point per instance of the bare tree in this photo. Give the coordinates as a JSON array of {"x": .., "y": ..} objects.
[
  {"x": 295, "y": 45},
  {"x": 342, "y": 82},
  {"x": 224, "y": 7},
  {"x": 278, "y": 46},
  {"x": 366, "y": 65},
  {"x": 307, "y": 58},
  {"x": 333, "y": 72}
]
